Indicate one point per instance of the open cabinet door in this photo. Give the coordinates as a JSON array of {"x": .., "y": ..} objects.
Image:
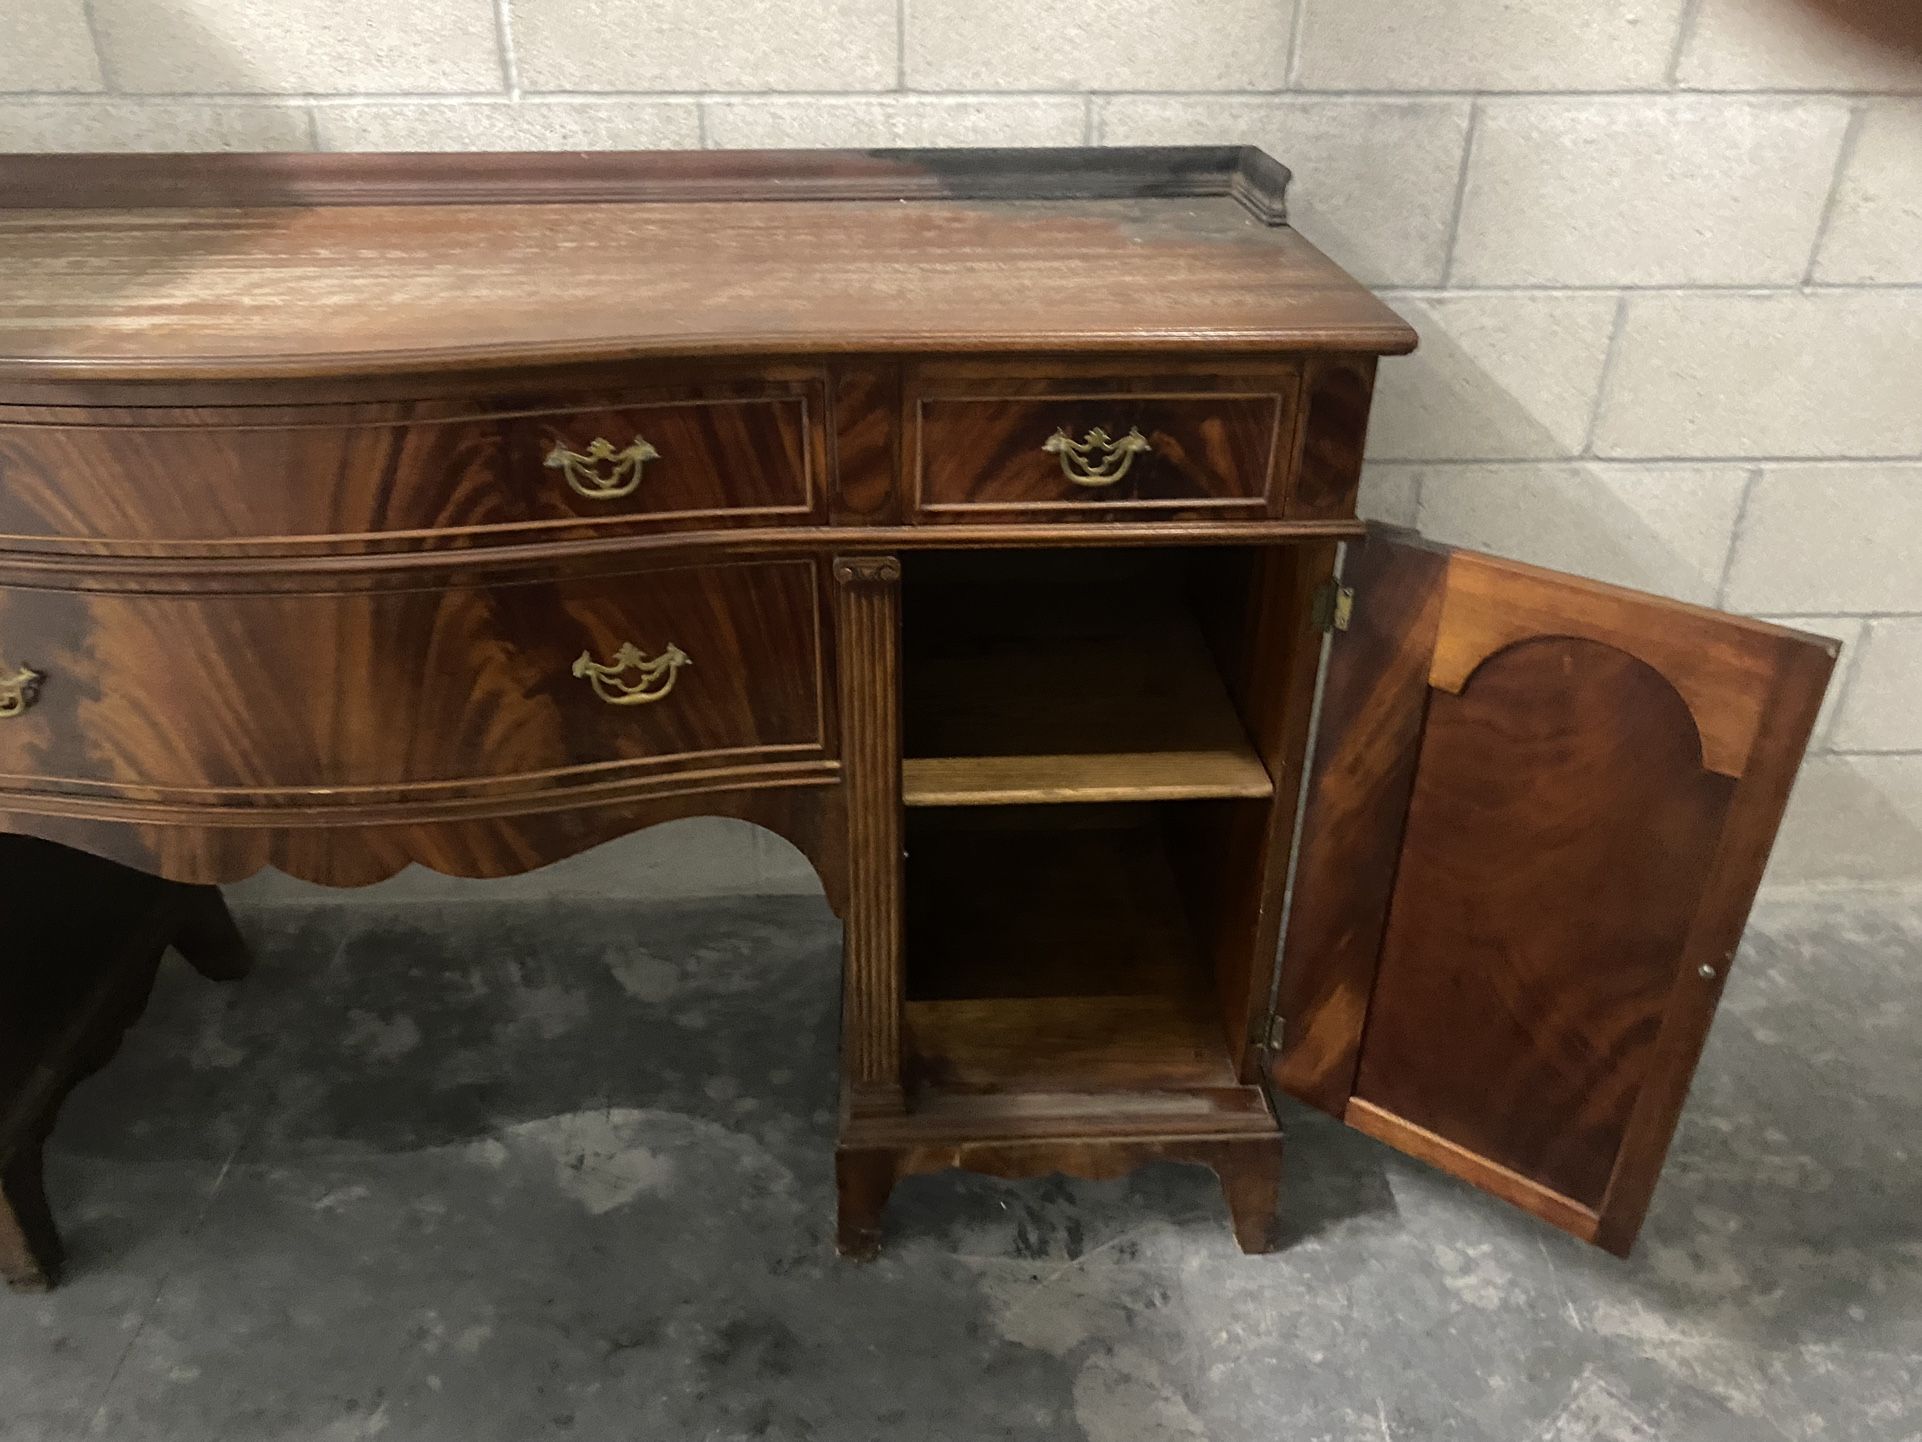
[{"x": 1538, "y": 813}]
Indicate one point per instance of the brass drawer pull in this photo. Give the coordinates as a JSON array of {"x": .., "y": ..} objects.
[
  {"x": 19, "y": 691},
  {"x": 602, "y": 473},
  {"x": 655, "y": 675},
  {"x": 1096, "y": 459}
]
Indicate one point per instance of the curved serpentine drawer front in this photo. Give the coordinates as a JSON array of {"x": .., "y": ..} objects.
[
  {"x": 433, "y": 688},
  {"x": 1051, "y": 448},
  {"x": 406, "y": 474}
]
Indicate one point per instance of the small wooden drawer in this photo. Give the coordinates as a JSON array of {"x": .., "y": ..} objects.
[
  {"x": 408, "y": 474},
  {"x": 729, "y": 460},
  {"x": 416, "y": 690},
  {"x": 1060, "y": 448}
]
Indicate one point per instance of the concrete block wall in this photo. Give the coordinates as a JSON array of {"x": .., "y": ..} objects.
[{"x": 1666, "y": 255}]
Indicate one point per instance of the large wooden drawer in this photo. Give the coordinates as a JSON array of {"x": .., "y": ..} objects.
[
  {"x": 409, "y": 474},
  {"x": 426, "y": 689},
  {"x": 993, "y": 446}
]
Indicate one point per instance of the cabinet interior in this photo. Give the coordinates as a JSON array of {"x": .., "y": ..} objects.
[
  {"x": 1070, "y": 676},
  {"x": 1089, "y": 817}
]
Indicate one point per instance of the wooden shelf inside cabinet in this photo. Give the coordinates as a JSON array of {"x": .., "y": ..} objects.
[
  {"x": 1050, "y": 950},
  {"x": 1063, "y": 695}
]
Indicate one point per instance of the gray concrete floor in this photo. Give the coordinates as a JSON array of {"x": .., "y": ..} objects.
[{"x": 562, "y": 1170}]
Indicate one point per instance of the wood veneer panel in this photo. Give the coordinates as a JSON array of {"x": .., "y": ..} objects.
[
  {"x": 1554, "y": 800},
  {"x": 397, "y": 695},
  {"x": 1559, "y": 834},
  {"x": 429, "y": 474},
  {"x": 1373, "y": 705},
  {"x": 1336, "y": 394},
  {"x": 490, "y": 836},
  {"x": 1209, "y": 454},
  {"x": 261, "y": 292}
]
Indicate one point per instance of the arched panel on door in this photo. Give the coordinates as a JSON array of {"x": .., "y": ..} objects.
[{"x": 1553, "y": 816}]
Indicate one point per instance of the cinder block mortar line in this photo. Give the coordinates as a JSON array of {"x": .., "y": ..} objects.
[
  {"x": 1650, "y": 92},
  {"x": 93, "y": 39},
  {"x": 1292, "y": 70},
  {"x": 1757, "y": 289},
  {"x": 1461, "y": 192},
  {"x": 1617, "y": 326},
  {"x": 1643, "y": 462},
  {"x": 1280, "y": 97},
  {"x": 1846, "y": 615},
  {"x": 1735, "y": 536},
  {"x": 1851, "y": 136},
  {"x": 345, "y": 98},
  {"x": 504, "y": 37},
  {"x": 1684, "y": 32},
  {"x": 901, "y": 44}
]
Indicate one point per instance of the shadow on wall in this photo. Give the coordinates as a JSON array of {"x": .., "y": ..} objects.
[
  {"x": 1664, "y": 527},
  {"x": 1892, "y": 25}
]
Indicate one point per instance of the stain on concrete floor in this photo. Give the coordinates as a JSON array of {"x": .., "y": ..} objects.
[{"x": 541, "y": 1170}]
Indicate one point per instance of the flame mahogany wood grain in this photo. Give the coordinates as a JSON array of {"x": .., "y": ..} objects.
[
  {"x": 1215, "y": 451},
  {"x": 1573, "y": 789},
  {"x": 1372, "y": 707},
  {"x": 419, "y": 474},
  {"x": 437, "y": 693},
  {"x": 866, "y": 445},
  {"x": 84, "y": 940},
  {"x": 1557, "y": 841},
  {"x": 1336, "y": 394},
  {"x": 505, "y": 836}
]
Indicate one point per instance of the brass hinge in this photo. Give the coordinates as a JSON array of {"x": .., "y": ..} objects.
[
  {"x": 1264, "y": 1033},
  {"x": 1267, "y": 1044},
  {"x": 1334, "y": 606}
]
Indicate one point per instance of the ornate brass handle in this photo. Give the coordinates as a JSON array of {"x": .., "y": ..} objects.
[
  {"x": 602, "y": 473},
  {"x": 654, "y": 675},
  {"x": 19, "y": 691},
  {"x": 1096, "y": 459}
]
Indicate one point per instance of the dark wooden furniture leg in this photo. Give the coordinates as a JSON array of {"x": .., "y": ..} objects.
[
  {"x": 864, "y": 1179},
  {"x": 1250, "y": 1173},
  {"x": 30, "y": 1250},
  {"x": 208, "y": 938},
  {"x": 86, "y": 940}
]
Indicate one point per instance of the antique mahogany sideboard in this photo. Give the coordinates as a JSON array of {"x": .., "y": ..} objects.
[{"x": 981, "y": 522}]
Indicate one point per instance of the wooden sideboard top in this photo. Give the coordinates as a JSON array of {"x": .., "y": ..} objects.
[{"x": 255, "y": 267}]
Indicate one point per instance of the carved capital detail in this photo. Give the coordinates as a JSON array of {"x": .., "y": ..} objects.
[{"x": 867, "y": 570}]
